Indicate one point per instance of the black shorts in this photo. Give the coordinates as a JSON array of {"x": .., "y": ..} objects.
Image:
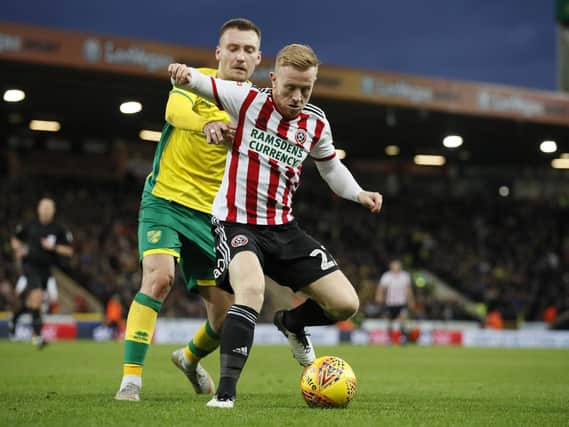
[
  {"x": 287, "y": 254},
  {"x": 36, "y": 277},
  {"x": 393, "y": 311}
]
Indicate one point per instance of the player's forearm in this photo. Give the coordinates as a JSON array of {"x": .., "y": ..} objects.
[
  {"x": 379, "y": 296},
  {"x": 18, "y": 248},
  {"x": 200, "y": 84},
  {"x": 64, "y": 250},
  {"x": 339, "y": 179},
  {"x": 181, "y": 116}
]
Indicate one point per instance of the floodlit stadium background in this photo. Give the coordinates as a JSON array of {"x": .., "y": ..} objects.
[{"x": 481, "y": 219}]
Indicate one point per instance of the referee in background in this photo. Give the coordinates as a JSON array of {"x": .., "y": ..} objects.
[{"x": 38, "y": 246}]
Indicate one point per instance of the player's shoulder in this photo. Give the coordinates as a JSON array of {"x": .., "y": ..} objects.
[
  {"x": 207, "y": 71},
  {"x": 315, "y": 111}
]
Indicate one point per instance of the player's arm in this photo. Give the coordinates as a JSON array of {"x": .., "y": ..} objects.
[
  {"x": 180, "y": 114},
  {"x": 58, "y": 248},
  {"x": 410, "y": 296},
  {"x": 227, "y": 95},
  {"x": 337, "y": 176},
  {"x": 342, "y": 182},
  {"x": 65, "y": 250},
  {"x": 61, "y": 245},
  {"x": 19, "y": 248},
  {"x": 380, "y": 294}
]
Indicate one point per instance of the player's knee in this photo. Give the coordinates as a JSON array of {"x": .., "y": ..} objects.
[
  {"x": 34, "y": 299},
  {"x": 252, "y": 295},
  {"x": 345, "y": 309},
  {"x": 160, "y": 284}
]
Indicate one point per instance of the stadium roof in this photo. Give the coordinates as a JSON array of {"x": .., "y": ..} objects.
[{"x": 68, "y": 77}]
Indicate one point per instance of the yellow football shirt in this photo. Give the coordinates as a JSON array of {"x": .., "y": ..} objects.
[{"x": 186, "y": 169}]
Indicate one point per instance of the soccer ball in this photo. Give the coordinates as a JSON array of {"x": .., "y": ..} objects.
[{"x": 329, "y": 382}]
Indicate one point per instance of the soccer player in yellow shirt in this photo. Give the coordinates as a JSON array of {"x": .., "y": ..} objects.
[{"x": 175, "y": 212}]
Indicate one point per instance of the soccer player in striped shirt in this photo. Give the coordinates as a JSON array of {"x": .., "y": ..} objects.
[
  {"x": 396, "y": 292},
  {"x": 256, "y": 232},
  {"x": 174, "y": 222}
]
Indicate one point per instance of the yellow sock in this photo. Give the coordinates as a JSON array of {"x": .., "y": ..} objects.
[
  {"x": 140, "y": 325},
  {"x": 131, "y": 369},
  {"x": 204, "y": 341}
]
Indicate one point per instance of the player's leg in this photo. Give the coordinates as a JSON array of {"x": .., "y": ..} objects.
[
  {"x": 404, "y": 331},
  {"x": 391, "y": 315},
  {"x": 205, "y": 340},
  {"x": 35, "y": 291},
  {"x": 239, "y": 269},
  {"x": 306, "y": 265},
  {"x": 197, "y": 261},
  {"x": 159, "y": 247},
  {"x": 34, "y": 301},
  {"x": 248, "y": 283},
  {"x": 19, "y": 305},
  {"x": 158, "y": 271},
  {"x": 331, "y": 298}
]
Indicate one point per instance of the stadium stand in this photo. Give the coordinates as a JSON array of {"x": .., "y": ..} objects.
[{"x": 508, "y": 252}]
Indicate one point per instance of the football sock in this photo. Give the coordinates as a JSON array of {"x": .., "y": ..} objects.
[
  {"x": 204, "y": 341},
  {"x": 37, "y": 322},
  {"x": 14, "y": 320},
  {"x": 308, "y": 313},
  {"x": 140, "y": 325},
  {"x": 236, "y": 341}
]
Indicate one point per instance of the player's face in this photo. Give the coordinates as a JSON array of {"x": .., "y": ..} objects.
[
  {"x": 238, "y": 54},
  {"x": 292, "y": 89},
  {"x": 395, "y": 266},
  {"x": 46, "y": 210}
]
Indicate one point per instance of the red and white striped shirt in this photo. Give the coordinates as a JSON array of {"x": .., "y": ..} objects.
[
  {"x": 263, "y": 167},
  {"x": 396, "y": 285}
]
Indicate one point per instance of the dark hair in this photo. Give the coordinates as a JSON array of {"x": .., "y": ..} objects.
[{"x": 241, "y": 24}]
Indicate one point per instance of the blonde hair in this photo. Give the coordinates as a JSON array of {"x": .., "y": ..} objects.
[{"x": 299, "y": 56}]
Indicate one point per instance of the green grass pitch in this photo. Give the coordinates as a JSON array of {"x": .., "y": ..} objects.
[{"x": 72, "y": 384}]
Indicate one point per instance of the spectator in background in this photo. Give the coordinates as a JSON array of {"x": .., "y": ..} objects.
[
  {"x": 395, "y": 292},
  {"x": 114, "y": 316},
  {"x": 550, "y": 314},
  {"x": 494, "y": 320}
]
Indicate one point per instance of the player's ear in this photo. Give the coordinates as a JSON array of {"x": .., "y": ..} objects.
[
  {"x": 273, "y": 78},
  {"x": 217, "y": 53},
  {"x": 259, "y": 58}
]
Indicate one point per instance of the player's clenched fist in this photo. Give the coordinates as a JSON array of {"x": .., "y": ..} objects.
[
  {"x": 371, "y": 200},
  {"x": 179, "y": 73}
]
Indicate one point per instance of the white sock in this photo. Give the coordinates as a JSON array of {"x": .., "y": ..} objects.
[{"x": 132, "y": 379}]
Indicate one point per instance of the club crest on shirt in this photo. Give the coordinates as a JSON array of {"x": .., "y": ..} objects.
[
  {"x": 153, "y": 236},
  {"x": 239, "y": 240},
  {"x": 300, "y": 136}
]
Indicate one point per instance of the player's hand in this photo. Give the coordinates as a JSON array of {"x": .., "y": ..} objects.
[
  {"x": 219, "y": 132},
  {"x": 48, "y": 244},
  {"x": 371, "y": 200},
  {"x": 179, "y": 73}
]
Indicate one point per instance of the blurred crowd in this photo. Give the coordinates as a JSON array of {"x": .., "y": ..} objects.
[{"x": 510, "y": 255}]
